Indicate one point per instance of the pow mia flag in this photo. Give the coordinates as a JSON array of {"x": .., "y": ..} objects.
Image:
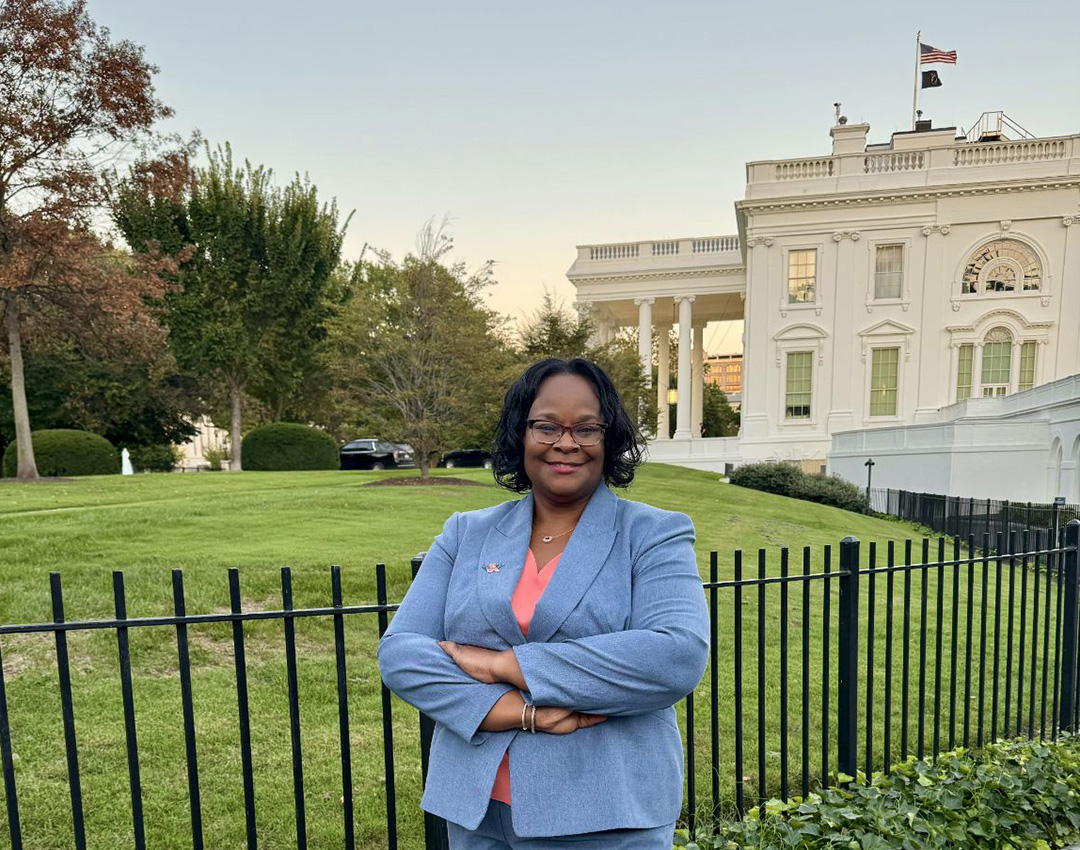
[{"x": 930, "y": 79}]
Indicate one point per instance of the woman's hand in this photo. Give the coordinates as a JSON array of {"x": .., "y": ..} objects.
[
  {"x": 486, "y": 665},
  {"x": 563, "y": 721}
]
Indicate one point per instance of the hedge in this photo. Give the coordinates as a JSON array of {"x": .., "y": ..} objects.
[
  {"x": 787, "y": 479},
  {"x": 159, "y": 458},
  {"x": 1012, "y": 795},
  {"x": 63, "y": 453},
  {"x": 284, "y": 446}
]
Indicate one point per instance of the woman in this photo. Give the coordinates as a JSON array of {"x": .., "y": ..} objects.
[{"x": 550, "y": 637}]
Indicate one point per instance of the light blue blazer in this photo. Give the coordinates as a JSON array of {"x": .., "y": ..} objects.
[{"x": 621, "y": 630}]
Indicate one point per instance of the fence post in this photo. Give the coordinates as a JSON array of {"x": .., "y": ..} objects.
[
  {"x": 435, "y": 835},
  {"x": 848, "y": 649},
  {"x": 1068, "y": 631}
]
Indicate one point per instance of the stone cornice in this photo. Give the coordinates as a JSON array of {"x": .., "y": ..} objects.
[
  {"x": 729, "y": 271},
  {"x": 904, "y": 195}
]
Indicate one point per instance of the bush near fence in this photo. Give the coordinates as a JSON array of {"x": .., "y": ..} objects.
[
  {"x": 1016, "y": 794},
  {"x": 787, "y": 479},
  {"x": 63, "y": 452}
]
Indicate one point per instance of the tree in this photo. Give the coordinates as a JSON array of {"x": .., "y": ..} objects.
[
  {"x": 718, "y": 417},
  {"x": 554, "y": 331},
  {"x": 418, "y": 353},
  {"x": 254, "y": 286},
  {"x": 70, "y": 101}
]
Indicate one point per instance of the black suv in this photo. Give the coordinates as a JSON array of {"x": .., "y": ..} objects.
[
  {"x": 374, "y": 454},
  {"x": 467, "y": 457}
]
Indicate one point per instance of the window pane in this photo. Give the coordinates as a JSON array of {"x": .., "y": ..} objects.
[
  {"x": 884, "y": 368},
  {"x": 963, "y": 372},
  {"x": 996, "y": 364},
  {"x": 799, "y": 385},
  {"x": 802, "y": 276},
  {"x": 889, "y": 271},
  {"x": 1027, "y": 365}
]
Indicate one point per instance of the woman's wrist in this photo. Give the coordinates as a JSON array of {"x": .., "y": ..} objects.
[
  {"x": 505, "y": 714},
  {"x": 507, "y": 670}
]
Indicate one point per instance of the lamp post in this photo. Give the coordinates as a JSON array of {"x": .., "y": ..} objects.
[{"x": 869, "y": 474}]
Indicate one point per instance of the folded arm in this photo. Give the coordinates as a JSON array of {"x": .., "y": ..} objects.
[
  {"x": 651, "y": 665},
  {"x": 413, "y": 665}
]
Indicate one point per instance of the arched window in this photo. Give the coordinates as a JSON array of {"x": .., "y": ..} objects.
[{"x": 1002, "y": 266}]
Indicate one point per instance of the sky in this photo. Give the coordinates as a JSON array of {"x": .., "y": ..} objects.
[{"x": 543, "y": 125}]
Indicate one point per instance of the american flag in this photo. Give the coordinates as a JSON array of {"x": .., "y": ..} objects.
[{"x": 928, "y": 54}]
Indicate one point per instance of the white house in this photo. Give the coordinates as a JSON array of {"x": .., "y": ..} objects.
[{"x": 878, "y": 283}]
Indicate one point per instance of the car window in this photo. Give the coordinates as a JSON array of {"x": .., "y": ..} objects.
[{"x": 386, "y": 447}]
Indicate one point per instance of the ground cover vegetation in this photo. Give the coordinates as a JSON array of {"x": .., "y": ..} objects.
[
  {"x": 1009, "y": 795},
  {"x": 147, "y": 525}
]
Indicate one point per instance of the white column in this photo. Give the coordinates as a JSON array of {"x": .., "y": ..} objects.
[
  {"x": 976, "y": 371},
  {"x": 697, "y": 402},
  {"x": 644, "y": 344},
  {"x": 663, "y": 379},
  {"x": 685, "y": 381}
]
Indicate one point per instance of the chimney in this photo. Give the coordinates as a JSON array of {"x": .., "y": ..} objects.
[
  {"x": 923, "y": 125},
  {"x": 849, "y": 138}
]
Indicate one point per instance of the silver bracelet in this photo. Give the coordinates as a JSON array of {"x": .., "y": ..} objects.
[
  {"x": 524, "y": 708},
  {"x": 532, "y": 723}
]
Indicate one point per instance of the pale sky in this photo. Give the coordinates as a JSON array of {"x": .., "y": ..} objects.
[{"x": 539, "y": 126}]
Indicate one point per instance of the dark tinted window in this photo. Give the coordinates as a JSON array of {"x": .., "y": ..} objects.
[{"x": 386, "y": 447}]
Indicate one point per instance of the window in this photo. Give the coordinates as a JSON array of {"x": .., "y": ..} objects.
[
  {"x": 997, "y": 363},
  {"x": 1002, "y": 266},
  {"x": 889, "y": 271},
  {"x": 884, "y": 368},
  {"x": 802, "y": 276},
  {"x": 799, "y": 385},
  {"x": 964, "y": 370},
  {"x": 1027, "y": 366}
]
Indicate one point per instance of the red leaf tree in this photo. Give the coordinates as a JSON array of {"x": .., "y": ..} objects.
[{"x": 72, "y": 103}]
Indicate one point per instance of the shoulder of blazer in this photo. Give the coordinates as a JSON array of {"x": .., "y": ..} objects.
[
  {"x": 646, "y": 524},
  {"x": 482, "y": 518}
]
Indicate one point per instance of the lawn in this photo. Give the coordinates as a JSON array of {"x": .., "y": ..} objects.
[{"x": 205, "y": 523}]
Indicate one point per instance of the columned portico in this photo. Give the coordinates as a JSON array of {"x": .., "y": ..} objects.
[
  {"x": 697, "y": 374},
  {"x": 685, "y": 381},
  {"x": 644, "y": 306}
]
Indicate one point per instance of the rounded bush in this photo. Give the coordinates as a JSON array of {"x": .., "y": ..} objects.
[
  {"x": 285, "y": 446},
  {"x": 780, "y": 478},
  {"x": 160, "y": 458},
  {"x": 787, "y": 479},
  {"x": 63, "y": 453}
]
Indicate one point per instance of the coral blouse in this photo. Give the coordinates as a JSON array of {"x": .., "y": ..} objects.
[{"x": 530, "y": 588}]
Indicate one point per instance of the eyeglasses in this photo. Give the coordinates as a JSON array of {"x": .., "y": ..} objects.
[{"x": 549, "y": 433}]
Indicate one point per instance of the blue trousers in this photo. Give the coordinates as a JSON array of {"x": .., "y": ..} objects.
[{"x": 496, "y": 832}]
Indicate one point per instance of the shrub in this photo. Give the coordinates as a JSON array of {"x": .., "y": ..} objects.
[
  {"x": 214, "y": 457},
  {"x": 1010, "y": 794},
  {"x": 160, "y": 458},
  {"x": 63, "y": 453},
  {"x": 287, "y": 446},
  {"x": 787, "y": 479}
]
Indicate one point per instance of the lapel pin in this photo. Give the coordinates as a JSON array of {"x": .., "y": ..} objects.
[{"x": 492, "y": 568}]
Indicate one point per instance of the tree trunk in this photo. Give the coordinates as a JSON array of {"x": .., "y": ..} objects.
[
  {"x": 425, "y": 464},
  {"x": 235, "y": 438},
  {"x": 27, "y": 467}
]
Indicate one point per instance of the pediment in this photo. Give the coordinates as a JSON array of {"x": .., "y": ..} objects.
[
  {"x": 803, "y": 330},
  {"x": 888, "y": 327}
]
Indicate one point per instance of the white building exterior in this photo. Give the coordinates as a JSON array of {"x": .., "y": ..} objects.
[{"x": 878, "y": 283}]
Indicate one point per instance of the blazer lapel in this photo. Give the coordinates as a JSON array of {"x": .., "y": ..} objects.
[
  {"x": 581, "y": 560},
  {"x": 502, "y": 559}
]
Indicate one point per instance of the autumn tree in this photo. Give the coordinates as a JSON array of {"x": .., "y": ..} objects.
[
  {"x": 254, "y": 288},
  {"x": 417, "y": 353},
  {"x": 71, "y": 101}
]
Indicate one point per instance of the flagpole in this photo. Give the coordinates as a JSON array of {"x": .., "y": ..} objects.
[{"x": 915, "y": 98}]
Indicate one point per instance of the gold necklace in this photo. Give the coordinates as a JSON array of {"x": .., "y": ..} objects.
[{"x": 549, "y": 537}]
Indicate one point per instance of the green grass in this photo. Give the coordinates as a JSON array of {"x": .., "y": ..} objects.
[{"x": 205, "y": 523}]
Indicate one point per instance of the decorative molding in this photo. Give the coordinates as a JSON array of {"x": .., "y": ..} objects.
[
  {"x": 943, "y": 229},
  {"x": 853, "y": 235},
  {"x": 639, "y": 301},
  {"x": 753, "y": 241},
  {"x": 678, "y": 298},
  {"x": 1069, "y": 220},
  {"x": 1005, "y": 224},
  {"x": 890, "y": 330},
  {"x": 997, "y": 315},
  {"x": 1045, "y": 300},
  {"x": 965, "y": 190},
  {"x": 660, "y": 275}
]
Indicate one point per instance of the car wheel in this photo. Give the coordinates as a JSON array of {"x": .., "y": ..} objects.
[
  {"x": 450, "y": 464},
  {"x": 378, "y": 467},
  {"x": 489, "y": 464}
]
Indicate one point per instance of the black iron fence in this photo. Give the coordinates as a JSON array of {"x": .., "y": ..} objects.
[
  {"x": 792, "y": 686},
  {"x": 963, "y": 516}
]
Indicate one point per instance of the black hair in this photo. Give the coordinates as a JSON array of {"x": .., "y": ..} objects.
[{"x": 622, "y": 441}]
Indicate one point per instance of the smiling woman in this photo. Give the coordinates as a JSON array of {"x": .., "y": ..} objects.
[{"x": 550, "y": 637}]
